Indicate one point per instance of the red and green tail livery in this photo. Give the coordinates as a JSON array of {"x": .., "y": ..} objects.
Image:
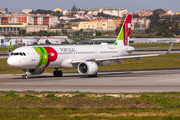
[
  {"x": 10, "y": 48},
  {"x": 123, "y": 37}
]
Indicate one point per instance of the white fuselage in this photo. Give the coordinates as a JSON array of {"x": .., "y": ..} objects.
[{"x": 32, "y": 57}]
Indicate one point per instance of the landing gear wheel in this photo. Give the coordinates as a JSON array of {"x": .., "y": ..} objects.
[
  {"x": 55, "y": 73},
  {"x": 59, "y": 73},
  {"x": 24, "y": 77}
]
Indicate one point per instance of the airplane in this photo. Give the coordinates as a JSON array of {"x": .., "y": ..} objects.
[{"x": 86, "y": 58}]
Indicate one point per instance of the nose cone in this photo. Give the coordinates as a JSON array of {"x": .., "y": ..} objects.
[
  {"x": 14, "y": 62},
  {"x": 10, "y": 62}
]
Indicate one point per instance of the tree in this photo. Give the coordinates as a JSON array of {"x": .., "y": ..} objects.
[
  {"x": 167, "y": 28},
  {"x": 155, "y": 19},
  {"x": 98, "y": 33},
  {"x": 101, "y": 14},
  {"x": 47, "y": 42},
  {"x": 22, "y": 32},
  {"x": 62, "y": 26},
  {"x": 85, "y": 12},
  {"x": 117, "y": 30},
  {"x": 6, "y": 9},
  {"x": 74, "y": 9},
  {"x": 34, "y": 33},
  {"x": 42, "y": 33},
  {"x": 135, "y": 16}
]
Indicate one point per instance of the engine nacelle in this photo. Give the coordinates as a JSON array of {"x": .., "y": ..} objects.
[
  {"x": 87, "y": 68},
  {"x": 34, "y": 71}
]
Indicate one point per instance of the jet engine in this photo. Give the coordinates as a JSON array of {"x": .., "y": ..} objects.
[
  {"x": 34, "y": 71},
  {"x": 87, "y": 68}
]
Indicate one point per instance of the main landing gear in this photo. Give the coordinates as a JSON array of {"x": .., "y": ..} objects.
[
  {"x": 95, "y": 75},
  {"x": 57, "y": 73}
]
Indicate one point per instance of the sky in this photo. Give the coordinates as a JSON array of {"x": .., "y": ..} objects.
[{"x": 130, "y": 5}]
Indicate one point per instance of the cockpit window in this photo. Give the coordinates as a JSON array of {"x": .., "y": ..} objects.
[
  {"x": 18, "y": 53},
  {"x": 24, "y": 54}
]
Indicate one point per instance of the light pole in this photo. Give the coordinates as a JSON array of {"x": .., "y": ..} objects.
[{"x": 10, "y": 26}]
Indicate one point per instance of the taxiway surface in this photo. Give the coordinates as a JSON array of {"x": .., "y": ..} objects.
[{"x": 112, "y": 82}]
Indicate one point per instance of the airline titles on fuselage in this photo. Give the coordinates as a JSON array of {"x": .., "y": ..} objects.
[{"x": 68, "y": 50}]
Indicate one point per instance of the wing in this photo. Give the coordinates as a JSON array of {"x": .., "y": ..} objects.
[{"x": 122, "y": 57}]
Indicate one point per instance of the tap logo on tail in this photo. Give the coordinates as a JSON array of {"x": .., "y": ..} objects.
[
  {"x": 10, "y": 48},
  {"x": 124, "y": 34}
]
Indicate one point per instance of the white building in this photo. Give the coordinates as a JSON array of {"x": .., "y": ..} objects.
[
  {"x": 26, "y": 11},
  {"x": 140, "y": 24},
  {"x": 2, "y": 40}
]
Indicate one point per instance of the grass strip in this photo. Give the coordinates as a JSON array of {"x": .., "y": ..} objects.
[{"x": 85, "y": 105}]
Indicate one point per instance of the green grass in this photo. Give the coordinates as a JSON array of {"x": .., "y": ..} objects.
[
  {"x": 151, "y": 45},
  {"x": 28, "y": 105},
  {"x": 164, "y": 61}
]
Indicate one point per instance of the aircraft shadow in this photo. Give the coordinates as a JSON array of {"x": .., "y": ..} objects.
[{"x": 123, "y": 74}]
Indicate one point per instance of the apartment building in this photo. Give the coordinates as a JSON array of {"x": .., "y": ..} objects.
[
  {"x": 94, "y": 11},
  {"x": 140, "y": 24},
  {"x": 32, "y": 19},
  {"x": 117, "y": 21},
  {"x": 102, "y": 25},
  {"x": 14, "y": 28},
  {"x": 26, "y": 11},
  {"x": 115, "y": 11},
  {"x": 144, "y": 12}
]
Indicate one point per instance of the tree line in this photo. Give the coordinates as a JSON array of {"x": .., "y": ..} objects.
[
  {"x": 164, "y": 26},
  {"x": 40, "y": 11}
]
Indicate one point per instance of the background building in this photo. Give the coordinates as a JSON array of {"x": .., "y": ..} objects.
[
  {"x": 57, "y": 9},
  {"x": 102, "y": 25},
  {"x": 32, "y": 19},
  {"x": 26, "y": 11},
  {"x": 14, "y": 28},
  {"x": 144, "y": 12},
  {"x": 140, "y": 23}
]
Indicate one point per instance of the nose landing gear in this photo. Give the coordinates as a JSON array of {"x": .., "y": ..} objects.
[{"x": 25, "y": 76}]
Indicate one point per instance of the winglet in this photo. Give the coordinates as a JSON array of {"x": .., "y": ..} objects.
[
  {"x": 10, "y": 48},
  {"x": 169, "y": 50}
]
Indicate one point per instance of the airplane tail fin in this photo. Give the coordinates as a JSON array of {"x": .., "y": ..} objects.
[
  {"x": 124, "y": 34},
  {"x": 10, "y": 48}
]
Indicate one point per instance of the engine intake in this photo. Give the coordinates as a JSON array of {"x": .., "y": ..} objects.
[{"x": 87, "y": 68}]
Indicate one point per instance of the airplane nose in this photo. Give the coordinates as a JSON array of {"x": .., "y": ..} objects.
[{"x": 10, "y": 62}]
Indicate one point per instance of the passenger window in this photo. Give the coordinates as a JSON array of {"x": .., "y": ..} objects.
[
  {"x": 24, "y": 54},
  {"x": 21, "y": 54}
]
